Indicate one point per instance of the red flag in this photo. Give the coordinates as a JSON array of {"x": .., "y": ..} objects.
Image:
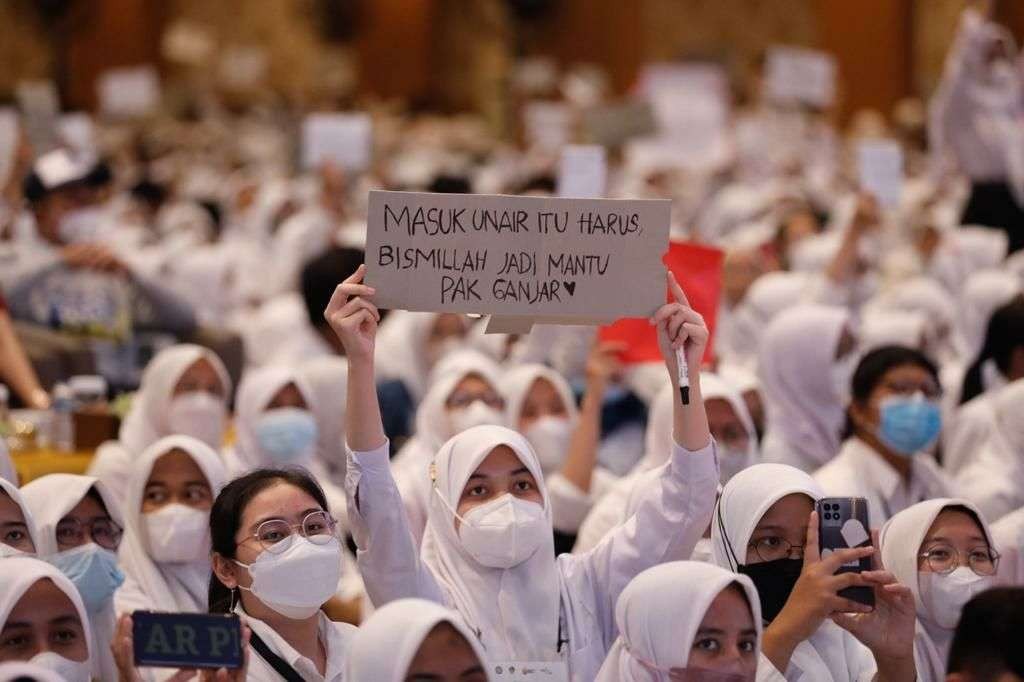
[{"x": 698, "y": 269}]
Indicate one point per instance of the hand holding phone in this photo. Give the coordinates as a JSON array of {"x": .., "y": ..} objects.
[{"x": 843, "y": 524}]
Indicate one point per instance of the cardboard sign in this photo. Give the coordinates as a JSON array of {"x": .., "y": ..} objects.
[
  {"x": 880, "y": 170},
  {"x": 535, "y": 258},
  {"x": 40, "y": 108},
  {"x": 615, "y": 124},
  {"x": 800, "y": 75},
  {"x": 582, "y": 172},
  {"x": 129, "y": 92},
  {"x": 345, "y": 139},
  {"x": 698, "y": 269},
  {"x": 547, "y": 125}
]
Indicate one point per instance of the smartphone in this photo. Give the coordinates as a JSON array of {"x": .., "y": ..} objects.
[
  {"x": 186, "y": 640},
  {"x": 843, "y": 524}
]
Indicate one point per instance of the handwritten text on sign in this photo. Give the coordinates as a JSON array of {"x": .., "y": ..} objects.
[{"x": 518, "y": 256}]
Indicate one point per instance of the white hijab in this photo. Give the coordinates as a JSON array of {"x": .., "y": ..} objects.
[
  {"x": 150, "y": 585},
  {"x": 797, "y": 357},
  {"x": 768, "y": 296},
  {"x": 387, "y": 642},
  {"x": 401, "y": 349},
  {"x": 745, "y": 499},
  {"x": 983, "y": 293},
  {"x": 11, "y": 490},
  {"x": 516, "y": 384},
  {"x": 50, "y": 498},
  {"x": 515, "y": 611},
  {"x": 256, "y": 389},
  {"x": 18, "y": 574},
  {"x": 900, "y": 544},
  {"x": 327, "y": 377},
  {"x": 147, "y": 420},
  {"x": 659, "y": 613},
  {"x": 1002, "y": 452}
]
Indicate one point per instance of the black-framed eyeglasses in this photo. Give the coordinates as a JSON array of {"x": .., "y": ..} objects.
[
  {"x": 318, "y": 527},
  {"x": 773, "y": 548},
  {"x": 944, "y": 559},
  {"x": 103, "y": 531}
]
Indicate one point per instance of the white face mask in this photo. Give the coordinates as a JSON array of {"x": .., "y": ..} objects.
[
  {"x": 178, "y": 534},
  {"x": 65, "y": 668},
  {"x": 550, "y": 438},
  {"x": 944, "y": 596},
  {"x": 478, "y": 413},
  {"x": 504, "y": 532},
  {"x": 198, "y": 414},
  {"x": 298, "y": 581},
  {"x": 80, "y": 226}
]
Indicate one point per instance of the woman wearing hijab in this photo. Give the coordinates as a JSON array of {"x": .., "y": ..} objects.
[
  {"x": 43, "y": 620},
  {"x": 806, "y": 361},
  {"x": 277, "y": 559},
  {"x": 895, "y": 418},
  {"x": 412, "y": 343},
  {"x": 165, "y": 554},
  {"x": 17, "y": 527},
  {"x": 184, "y": 391},
  {"x": 943, "y": 551},
  {"x": 682, "y": 619},
  {"x": 464, "y": 392},
  {"x": 994, "y": 480},
  {"x": 328, "y": 377},
  {"x": 734, "y": 434},
  {"x": 768, "y": 296},
  {"x": 541, "y": 406},
  {"x": 765, "y": 528},
  {"x": 79, "y": 528},
  {"x": 487, "y": 551},
  {"x": 414, "y": 639}
]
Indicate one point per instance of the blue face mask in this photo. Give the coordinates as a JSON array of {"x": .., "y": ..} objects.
[
  {"x": 909, "y": 424},
  {"x": 94, "y": 572},
  {"x": 287, "y": 434}
]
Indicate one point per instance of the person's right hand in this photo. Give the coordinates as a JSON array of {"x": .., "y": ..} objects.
[
  {"x": 814, "y": 597},
  {"x": 123, "y": 648},
  {"x": 603, "y": 363},
  {"x": 353, "y": 316},
  {"x": 92, "y": 257}
]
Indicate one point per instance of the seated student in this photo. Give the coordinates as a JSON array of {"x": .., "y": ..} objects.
[
  {"x": 184, "y": 391},
  {"x": 807, "y": 358},
  {"x": 165, "y": 554},
  {"x": 43, "y": 620},
  {"x": 943, "y": 551},
  {"x": 17, "y": 527},
  {"x": 276, "y": 562},
  {"x": 328, "y": 378},
  {"x": 79, "y": 530},
  {"x": 414, "y": 639},
  {"x": 488, "y": 550},
  {"x": 994, "y": 479},
  {"x": 986, "y": 645},
  {"x": 682, "y": 619},
  {"x": 894, "y": 418},
  {"x": 765, "y": 528},
  {"x": 464, "y": 392}
]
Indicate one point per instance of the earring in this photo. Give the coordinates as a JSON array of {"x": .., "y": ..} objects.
[{"x": 234, "y": 599}]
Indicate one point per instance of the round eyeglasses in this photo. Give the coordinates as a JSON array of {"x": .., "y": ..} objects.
[
  {"x": 773, "y": 548},
  {"x": 943, "y": 558},
  {"x": 318, "y": 527},
  {"x": 104, "y": 532}
]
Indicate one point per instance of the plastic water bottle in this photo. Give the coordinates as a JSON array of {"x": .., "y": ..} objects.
[{"x": 63, "y": 425}]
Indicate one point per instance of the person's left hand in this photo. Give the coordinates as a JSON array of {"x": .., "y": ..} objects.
[{"x": 888, "y": 630}]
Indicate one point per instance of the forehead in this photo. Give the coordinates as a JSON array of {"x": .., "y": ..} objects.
[
  {"x": 500, "y": 460},
  {"x": 43, "y": 601},
  {"x": 9, "y": 510},
  {"x": 729, "y": 611},
  {"x": 790, "y": 511},
  {"x": 473, "y": 382},
  {"x": 914, "y": 373},
  {"x": 175, "y": 464},
  {"x": 720, "y": 410},
  {"x": 281, "y": 499},
  {"x": 955, "y": 524},
  {"x": 88, "y": 507}
]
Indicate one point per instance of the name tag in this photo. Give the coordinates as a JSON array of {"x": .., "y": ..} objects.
[{"x": 530, "y": 671}]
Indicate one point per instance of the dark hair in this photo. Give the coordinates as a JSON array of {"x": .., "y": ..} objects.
[
  {"x": 987, "y": 640},
  {"x": 321, "y": 276},
  {"x": 539, "y": 183},
  {"x": 1004, "y": 334},
  {"x": 450, "y": 184},
  {"x": 875, "y": 364},
  {"x": 226, "y": 515}
]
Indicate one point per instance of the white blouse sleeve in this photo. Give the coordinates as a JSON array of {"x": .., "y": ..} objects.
[
  {"x": 675, "y": 510},
  {"x": 388, "y": 557}
]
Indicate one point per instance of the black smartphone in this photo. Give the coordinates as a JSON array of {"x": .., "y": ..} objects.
[
  {"x": 186, "y": 640},
  {"x": 843, "y": 524}
]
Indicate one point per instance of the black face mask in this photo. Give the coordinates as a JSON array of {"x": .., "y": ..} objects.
[{"x": 774, "y": 581}]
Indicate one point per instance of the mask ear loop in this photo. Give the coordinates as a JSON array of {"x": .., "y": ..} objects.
[{"x": 437, "y": 491}]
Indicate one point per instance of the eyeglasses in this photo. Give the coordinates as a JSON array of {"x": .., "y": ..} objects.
[
  {"x": 317, "y": 527},
  {"x": 459, "y": 400},
  {"x": 945, "y": 559},
  {"x": 909, "y": 388},
  {"x": 104, "y": 532},
  {"x": 773, "y": 548}
]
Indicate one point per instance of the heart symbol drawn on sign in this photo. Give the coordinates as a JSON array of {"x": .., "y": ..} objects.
[{"x": 570, "y": 287}]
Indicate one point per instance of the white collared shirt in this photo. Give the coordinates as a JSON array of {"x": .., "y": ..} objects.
[
  {"x": 336, "y": 638},
  {"x": 859, "y": 471}
]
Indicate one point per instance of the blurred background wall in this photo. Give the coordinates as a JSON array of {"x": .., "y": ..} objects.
[{"x": 457, "y": 54}]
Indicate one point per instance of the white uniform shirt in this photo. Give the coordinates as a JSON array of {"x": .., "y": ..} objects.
[{"x": 336, "y": 638}]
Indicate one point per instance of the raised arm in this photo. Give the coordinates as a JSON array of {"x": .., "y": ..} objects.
[
  {"x": 388, "y": 557},
  {"x": 677, "y": 507}
]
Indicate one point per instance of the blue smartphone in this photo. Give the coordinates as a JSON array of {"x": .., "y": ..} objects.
[{"x": 187, "y": 640}]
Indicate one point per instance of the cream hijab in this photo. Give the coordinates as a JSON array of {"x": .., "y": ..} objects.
[
  {"x": 163, "y": 586},
  {"x": 387, "y": 642},
  {"x": 659, "y": 613}
]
